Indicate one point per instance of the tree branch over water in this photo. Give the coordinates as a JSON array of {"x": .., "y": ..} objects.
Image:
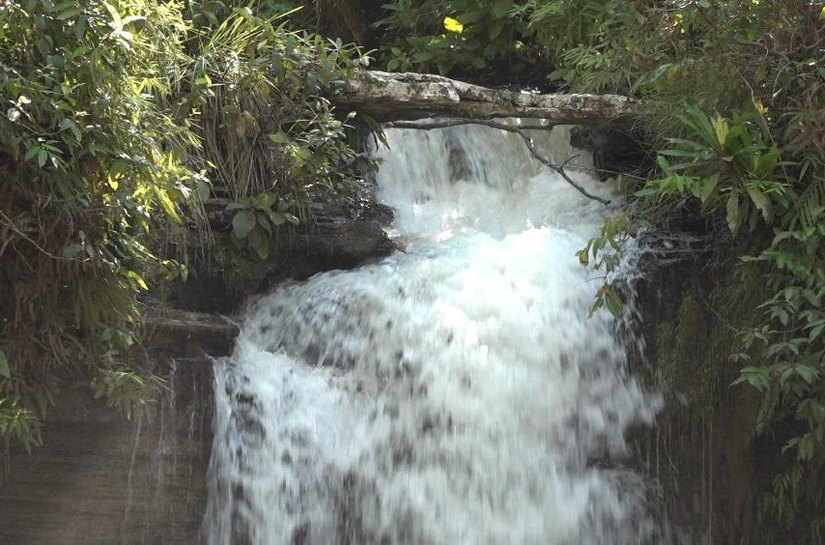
[
  {"x": 445, "y": 123},
  {"x": 391, "y": 96}
]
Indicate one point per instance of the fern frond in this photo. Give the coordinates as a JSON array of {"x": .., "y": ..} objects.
[{"x": 809, "y": 208}]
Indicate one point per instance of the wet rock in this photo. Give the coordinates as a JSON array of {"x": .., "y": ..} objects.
[
  {"x": 615, "y": 150},
  {"x": 100, "y": 479},
  {"x": 332, "y": 237},
  {"x": 188, "y": 334}
]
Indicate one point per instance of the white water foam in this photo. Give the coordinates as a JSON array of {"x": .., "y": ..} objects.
[{"x": 454, "y": 393}]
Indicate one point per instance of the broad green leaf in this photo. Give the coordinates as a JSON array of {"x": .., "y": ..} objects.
[
  {"x": 699, "y": 122},
  {"x": 495, "y": 29},
  {"x": 279, "y": 138},
  {"x": 68, "y": 14},
  {"x": 766, "y": 162},
  {"x": 760, "y": 201},
  {"x": 472, "y": 16},
  {"x": 72, "y": 250},
  {"x": 263, "y": 222},
  {"x": 259, "y": 242},
  {"x": 815, "y": 332},
  {"x": 755, "y": 376},
  {"x": 501, "y": 7},
  {"x": 806, "y": 447},
  {"x": 277, "y": 218},
  {"x": 708, "y": 185},
  {"x": 243, "y": 223},
  {"x": 808, "y": 374},
  {"x": 264, "y": 200},
  {"x": 614, "y": 304},
  {"x": 203, "y": 190},
  {"x": 720, "y": 127},
  {"x": 80, "y": 30}
]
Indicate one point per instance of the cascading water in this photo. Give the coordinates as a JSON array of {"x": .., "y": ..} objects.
[{"x": 453, "y": 393}]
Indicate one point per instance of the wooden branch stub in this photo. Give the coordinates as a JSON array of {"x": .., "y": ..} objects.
[
  {"x": 389, "y": 96},
  {"x": 186, "y": 334}
]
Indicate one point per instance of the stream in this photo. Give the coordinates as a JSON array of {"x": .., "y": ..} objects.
[{"x": 454, "y": 393}]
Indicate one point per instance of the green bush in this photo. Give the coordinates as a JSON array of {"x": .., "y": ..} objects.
[
  {"x": 119, "y": 117},
  {"x": 732, "y": 96},
  {"x": 460, "y": 37},
  {"x": 91, "y": 159}
]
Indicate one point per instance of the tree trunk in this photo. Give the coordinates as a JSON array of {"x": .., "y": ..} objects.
[{"x": 392, "y": 96}]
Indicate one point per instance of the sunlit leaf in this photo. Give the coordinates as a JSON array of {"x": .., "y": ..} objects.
[
  {"x": 139, "y": 281},
  {"x": 167, "y": 204},
  {"x": 720, "y": 127},
  {"x": 732, "y": 209}
]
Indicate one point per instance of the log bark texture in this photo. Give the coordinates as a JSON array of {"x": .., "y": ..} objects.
[
  {"x": 391, "y": 96},
  {"x": 184, "y": 334}
]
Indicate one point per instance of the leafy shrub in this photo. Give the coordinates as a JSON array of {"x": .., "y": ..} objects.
[
  {"x": 271, "y": 141},
  {"x": 733, "y": 92},
  {"x": 91, "y": 161},
  {"x": 460, "y": 37},
  {"x": 730, "y": 170},
  {"x": 119, "y": 117}
]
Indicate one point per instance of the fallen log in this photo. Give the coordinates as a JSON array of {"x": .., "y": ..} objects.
[
  {"x": 181, "y": 333},
  {"x": 392, "y": 96}
]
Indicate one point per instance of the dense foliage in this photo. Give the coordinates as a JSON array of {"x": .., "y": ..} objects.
[
  {"x": 746, "y": 152},
  {"x": 465, "y": 37},
  {"x": 119, "y": 118}
]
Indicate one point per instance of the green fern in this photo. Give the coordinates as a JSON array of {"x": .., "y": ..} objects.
[{"x": 809, "y": 208}]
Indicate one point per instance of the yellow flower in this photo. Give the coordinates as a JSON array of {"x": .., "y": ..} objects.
[
  {"x": 453, "y": 25},
  {"x": 761, "y": 108}
]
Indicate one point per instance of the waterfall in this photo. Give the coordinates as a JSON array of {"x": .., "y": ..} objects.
[{"x": 454, "y": 393}]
